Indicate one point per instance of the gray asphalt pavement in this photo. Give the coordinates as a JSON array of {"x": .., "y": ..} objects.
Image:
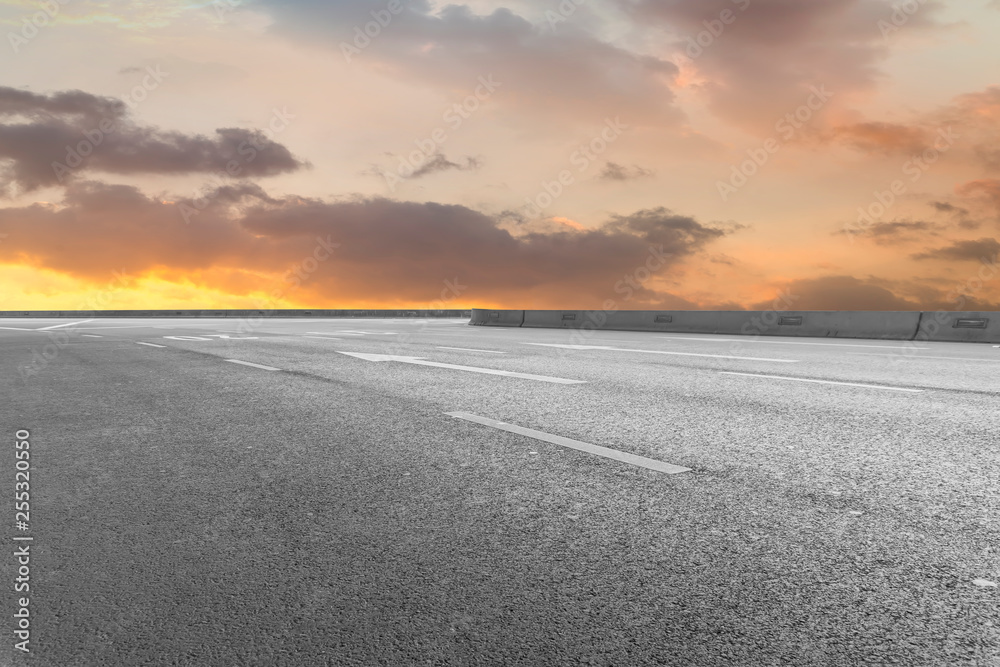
[{"x": 840, "y": 509}]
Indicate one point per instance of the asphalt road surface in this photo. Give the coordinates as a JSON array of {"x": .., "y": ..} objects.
[{"x": 365, "y": 492}]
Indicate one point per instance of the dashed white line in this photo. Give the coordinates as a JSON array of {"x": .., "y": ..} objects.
[
  {"x": 322, "y": 337},
  {"x": 676, "y": 354},
  {"x": 920, "y": 356},
  {"x": 846, "y": 384},
  {"x": 614, "y": 454},
  {"x": 750, "y": 339},
  {"x": 419, "y": 361},
  {"x": 139, "y": 342},
  {"x": 67, "y": 324},
  {"x": 247, "y": 363},
  {"x": 469, "y": 349},
  {"x": 92, "y": 336}
]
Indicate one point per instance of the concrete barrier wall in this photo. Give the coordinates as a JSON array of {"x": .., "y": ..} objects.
[
  {"x": 483, "y": 317},
  {"x": 557, "y": 319},
  {"x": 824, "y": 324},
  {"x": 675, "y": 321},
  {"x": 960, "y": 327},
  {"x": 882, "y": 325},
  {"x": 236, "y": 313},
  {"x": 877, "y": 325}
]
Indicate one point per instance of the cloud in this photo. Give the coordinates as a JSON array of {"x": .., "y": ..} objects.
[
  {"x": 839, "y": 293},
  {"x": 945, "y": 207},
  {"x": 761, "y": 64},
  {"x": 899, "y": 231},
  {"x": 438, "y": 162},
  {"x": 988, "y": 188},
  {"x": 388, "y": 250},
  {"x": 51, "y": 139},
  {"x": 973, "y": 251},
  {"x": 615, "y": 172},
  {"x": 567, "y": 72},
  {"x": 887, "y": 138},
  {"x": 972, "y": 120}
]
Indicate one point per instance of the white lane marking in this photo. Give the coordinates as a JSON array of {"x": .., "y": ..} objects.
[
  {"x": 247, "y": 363},
  {"x": 92, "y": 336},
  {"x": 322, "y": 337},
  {"x": 846, "y": 384},
  {"x": 615, "y": 454},
  {"x": 678, "y": 354},
  {"x": 67, "y": 324},
  {"x": 793, "y": 342},
  {"x": 469, "y": 349},
  {"x": 130, "y": 326},
  {"x": 920, "y": 356},
  {"x": 139, "y": 342},
  {"x": 418, "y": 361},
  {"x": 336, "y": 333},
  {"x": 16, "y": 329}
]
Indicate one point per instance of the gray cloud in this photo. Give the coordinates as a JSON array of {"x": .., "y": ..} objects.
[
  {"x": 972, "y": 251},
  {"x": 49, "y": 139},
  {"x": 389, "y": 250},
  {"x": 615, "y": 172},
  {"x": 439, "y": 162},
  {"x": 762, "y": 64},
  {"x": 899, "y": 231},
  {"x": 840, "y": 293},
  {"x": 568, "y": 72}
]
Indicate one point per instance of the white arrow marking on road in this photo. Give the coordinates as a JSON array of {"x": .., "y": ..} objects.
[
  {"x": 419, "y": 361},
  {"x": 677, "y": 354},
  {"x": 68, "y": 324},
  {"x": 624, "y": 457}
]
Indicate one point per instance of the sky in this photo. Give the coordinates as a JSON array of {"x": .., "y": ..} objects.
[{"x": 573, "y": 154}]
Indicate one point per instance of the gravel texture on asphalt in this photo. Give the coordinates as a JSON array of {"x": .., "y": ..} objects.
[{"x": 189, "y": 511}]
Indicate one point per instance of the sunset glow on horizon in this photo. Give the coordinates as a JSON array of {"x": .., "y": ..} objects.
[{"x": 654, "y": 154}]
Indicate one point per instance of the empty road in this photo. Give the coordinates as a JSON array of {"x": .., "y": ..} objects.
[{"x": 424, "y": 492}]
